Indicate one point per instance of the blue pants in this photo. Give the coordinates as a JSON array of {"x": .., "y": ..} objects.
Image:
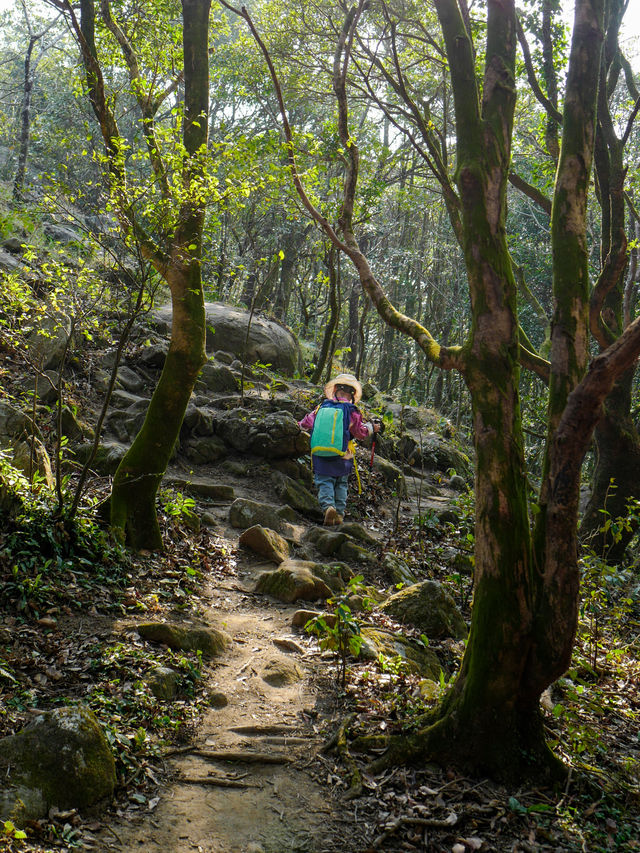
[{"x": 332, "y": 491}]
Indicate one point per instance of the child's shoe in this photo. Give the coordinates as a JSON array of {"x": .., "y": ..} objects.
[{"x": 330, "y": 516}]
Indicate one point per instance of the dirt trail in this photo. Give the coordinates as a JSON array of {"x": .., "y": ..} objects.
[{"x": 284, "y": 807}]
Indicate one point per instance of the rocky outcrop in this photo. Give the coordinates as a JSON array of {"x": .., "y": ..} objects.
[{"x": 267, "y": 342}]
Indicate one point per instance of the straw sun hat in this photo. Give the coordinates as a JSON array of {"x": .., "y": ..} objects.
[{"x": 343, "y": 379}]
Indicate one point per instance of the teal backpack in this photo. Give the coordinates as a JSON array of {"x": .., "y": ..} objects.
[{"x": 330, "y": 435}]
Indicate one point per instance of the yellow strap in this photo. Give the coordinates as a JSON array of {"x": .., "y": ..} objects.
[{"x": 352, "y": 447}]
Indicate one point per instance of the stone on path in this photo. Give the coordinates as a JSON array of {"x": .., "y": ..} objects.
[
  {"x": 397, "y": 570},
  {"x": 301, "y": 617},
  {"x": 293, "y": 580},
  {"x": 163, "y": 682},
  {"x": 245, "y": 513},
  {"x": 265, "y": 542},
  {"x": 281, "y": 672}
]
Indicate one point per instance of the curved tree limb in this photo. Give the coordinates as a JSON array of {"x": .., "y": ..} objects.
[{"x": 445, "y": 357}]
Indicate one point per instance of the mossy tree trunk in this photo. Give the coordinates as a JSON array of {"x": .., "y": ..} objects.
[
  {"x": 140, "y": 472},
  {"x": 526, "y": 588},
  {"x": 136, "y": 481},
  {"x": 616, "y": 478}
]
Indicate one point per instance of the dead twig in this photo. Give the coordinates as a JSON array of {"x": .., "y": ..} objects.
[{"x": 242, "y": 757}]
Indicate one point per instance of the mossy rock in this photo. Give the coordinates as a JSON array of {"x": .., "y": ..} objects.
[
  {"x": 357, "y": 531},
  {"x": 217, "y": 699},
  {"x": 163, "y": 682},
  {"x": 245, "y": 513},
  {"x": 293, "y": 493},
  {"x": 265, "y": 542},
  {"x": 61, "y": 759},
  {"x": 202, "y": 487},
  {"x": 293, "y": 580},
  {"x": 416, "y": 658},
  {"x": 209, "y": 641},
  {"x": 354, "y": 553},
  {"x": 397, "y": 570},
  {"x": 329, "y": 543},
  {"x": 391, "y": 474},
  {"x": 430, "y": 608}
]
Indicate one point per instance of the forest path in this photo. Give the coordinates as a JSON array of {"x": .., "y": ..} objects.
[{"x": 289, "y": 807}]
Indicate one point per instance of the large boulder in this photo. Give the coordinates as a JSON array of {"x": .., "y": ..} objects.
[
  {"x": 428, "y": 607},
  {"x": 267, "y": 342},
  {"x": 61, "y": 759}
]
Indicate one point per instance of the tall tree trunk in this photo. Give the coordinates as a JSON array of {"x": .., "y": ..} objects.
[
  {"x": 328, "y": 339},
  {"x": 18, "y": 184},
  {"x": 140, "y": 472}
]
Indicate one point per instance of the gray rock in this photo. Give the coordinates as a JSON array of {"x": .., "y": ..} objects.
[
  {"x": 278, "y": 435},
  {"x": 45, "y": 385},
  {"x": 357, "y": 531},
  {"x": 48, "y": 342},
  {"x": 245, "y": 513},
  {"x": 223, "y": 357},
  {"x": 298, "y": 497},
  {"x": 268, "y": 341},
  {"x": 216, "y": 378},
  {"x": 14, "y": 423},
  {"x": 352, "y": 552},
  {"x": 8, "y": 263},
  {"x": 73, "y": 427},
  {"x": 31, "y": 456},
  {"x": 369, "y": 391},
  {"x": 61, "y": 759},
  {"x": 15, "y": 245},
  {"x": 391, "y": 474},
  {"x": 203, "y": 450},
  {"x": 457, "y": 483},
  {"x": 330, "y": 543},
  {"x": 130, "y": 380},
  {"x": 217, "y": 699},
  {"x": 301, "y": 617},
  {"x": 202, "y": 487},
  {"x": 107, "y": 459},
  {"x": 60, "y": 234},
  {"x": 430, "y": 608},
  {"x": 210, "y": 641},
  {"x": 198, "y": 420},
  {"x": 155, "y": 355}
]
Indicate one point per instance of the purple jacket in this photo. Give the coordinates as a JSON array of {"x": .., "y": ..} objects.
[{"x": 341, "y": 465}]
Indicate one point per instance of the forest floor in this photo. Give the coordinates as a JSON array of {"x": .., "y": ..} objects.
[{"x": 239, "y": 766}]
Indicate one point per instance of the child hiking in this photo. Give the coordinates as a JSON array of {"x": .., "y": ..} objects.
[{"x": 333, "y": 426}]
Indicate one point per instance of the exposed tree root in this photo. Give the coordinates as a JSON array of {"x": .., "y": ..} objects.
[
  {"x": 338, "y": 741},
  {"x": 214, "y": 781},
  {"x": 242, "y": 757}
]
